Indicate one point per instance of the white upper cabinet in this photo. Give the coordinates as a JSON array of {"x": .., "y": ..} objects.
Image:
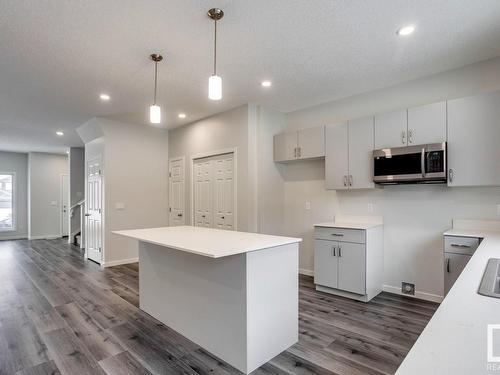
[
  {"x": 361, "y": 144},
  {"x": 427, "y": 124},
  {"x": 302, "y": 144},
  {"x": 391, "y": 129},
  {"x": 348, "y": 162},
  {"x": 474, "y": 140},
  {"x": 337, "y": 157},
  {"x": 285, "y": 146},
  {"x": 311, "y": 143}
]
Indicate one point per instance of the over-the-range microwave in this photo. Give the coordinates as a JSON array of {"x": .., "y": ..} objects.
[{"x": 410, "y": 165}]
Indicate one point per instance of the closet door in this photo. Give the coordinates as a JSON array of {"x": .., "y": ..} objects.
[
  {"x": 224, "y": 192},
  {"x": 203, "y": 193}
]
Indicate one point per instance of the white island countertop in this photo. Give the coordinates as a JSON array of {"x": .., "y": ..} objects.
[
  {"x": 212, "y": 243},
  {"x": 455, "y": 340},
  {"x": 349, "y": 225}
]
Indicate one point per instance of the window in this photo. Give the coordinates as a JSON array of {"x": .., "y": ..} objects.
[{"x": 7, "y": 219}]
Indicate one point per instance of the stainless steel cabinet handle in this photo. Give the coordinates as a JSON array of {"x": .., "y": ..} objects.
[
  {"x": 350, "y": 180},
  {"x": 337, "y": 234},
  {"x": 403, "y": 137},
  {"x": 448, "y": 265},
  {"x": 295, "y": 152},
  {"x": 180, "y": 215},
  {"x": 410, "y": 136},
  {"x": 450, "y": 175},
  {"x": 345, "y": 180},
  {"x": 460, "y": 245},
  {"x": 340, "y": 251},
  {"x": 334, "y": 251},
  {"x": 300, "y": 151}
]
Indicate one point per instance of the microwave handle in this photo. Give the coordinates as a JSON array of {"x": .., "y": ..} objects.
[{"x": 422, "y": 161}]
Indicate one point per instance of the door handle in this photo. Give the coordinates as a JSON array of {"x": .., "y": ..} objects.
[
  {"x": 448, "y": 265},
  {"x": 87, "y": 214}
]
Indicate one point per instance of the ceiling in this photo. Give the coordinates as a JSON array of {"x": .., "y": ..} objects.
[{"x": 56, "y": 57}]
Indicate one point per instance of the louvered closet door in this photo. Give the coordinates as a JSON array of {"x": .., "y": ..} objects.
[
  {"x": 214, "y": 192},
  {"x": 224, "y": 192}
]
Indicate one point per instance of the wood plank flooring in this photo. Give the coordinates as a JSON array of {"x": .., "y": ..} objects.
[{"x": 60, "y": 314}]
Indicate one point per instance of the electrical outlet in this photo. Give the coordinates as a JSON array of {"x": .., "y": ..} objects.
[
  {"x": 308, "y": 205},
  {"x": 408, "y": 288}
]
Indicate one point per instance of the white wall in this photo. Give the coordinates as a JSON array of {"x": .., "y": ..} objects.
[
  {"x": 44, "y": 196},
  {"x": 415, "y": 216},
  {"x": 135, "y": 174},
  {"x": 18, "y": 164}
]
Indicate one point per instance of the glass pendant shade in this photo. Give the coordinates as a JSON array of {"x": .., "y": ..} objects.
[
  {"x": 215, "y": 88},
  {"x": 155, "y": 114}
]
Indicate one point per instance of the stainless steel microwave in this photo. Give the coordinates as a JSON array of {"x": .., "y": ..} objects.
[{"x": 411, "y": 164}]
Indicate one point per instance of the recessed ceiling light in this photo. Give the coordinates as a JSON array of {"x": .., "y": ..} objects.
[
  {"x": 405, "y": 30},
  {"x": 104, "y": 97},
  {"x": 181, "y": 115},
  {"x": 60, "y": 134},
  {"x": 266, "y": 83}
]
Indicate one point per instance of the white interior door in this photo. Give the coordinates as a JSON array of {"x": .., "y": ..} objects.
[
  {"x": 64, "y": 205},
  {"x": 93, "y": 216},
  {"x": 213, "y": 198},
  {"x": 176, "y": 194}
]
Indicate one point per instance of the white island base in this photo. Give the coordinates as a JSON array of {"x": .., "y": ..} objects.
[{"x": 243, "y": 308}]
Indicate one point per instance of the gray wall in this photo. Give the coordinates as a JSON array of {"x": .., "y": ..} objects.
[
  {"x": 44, "y": 196},
  {"x": 17, "y": 163},
  {"x": 415, "y": 216}
]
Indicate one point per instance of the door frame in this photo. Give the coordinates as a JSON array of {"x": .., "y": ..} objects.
[
  {"x": 231, "y": 150},
  {"x": 183, "y": 160},
  {"x": 103, "y": 231},
  {"x": 61, "y": 198}
]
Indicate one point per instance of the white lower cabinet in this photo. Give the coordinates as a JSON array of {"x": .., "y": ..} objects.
[
  {"x": 457, "y": 253},
  {"x": 349, "y": 262}
]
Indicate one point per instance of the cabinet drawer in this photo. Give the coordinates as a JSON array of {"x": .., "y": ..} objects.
[
  {"x": 460, "y": 245},
  {"x": 340, "y": 234}
]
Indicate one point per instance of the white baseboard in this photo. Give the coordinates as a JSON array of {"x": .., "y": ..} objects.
[
  {"x": 13, "y": 237},
  {"x": 120, "y": 262},
  {"x": 45, "y": 237},
  {"x": 303, "y": 271},
  {"x": 419, "y": 295}
]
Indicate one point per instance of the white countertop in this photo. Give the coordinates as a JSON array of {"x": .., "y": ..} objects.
[
  {"x": 213, "y": 243},
  {"x": 454, "y": 341},
  {"x": 348, "y": 225}
]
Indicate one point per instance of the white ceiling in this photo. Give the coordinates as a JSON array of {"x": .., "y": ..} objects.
[{"x": 57, "y": 56}]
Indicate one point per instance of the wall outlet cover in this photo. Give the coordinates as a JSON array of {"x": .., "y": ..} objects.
[
  {"x": 408, "y": 288},
  {"x": 308, "y": 205}
]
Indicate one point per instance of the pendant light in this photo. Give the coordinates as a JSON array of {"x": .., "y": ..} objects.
[
  {"x": 155, "y": 110},
  {"x": 215, "y": 81}
]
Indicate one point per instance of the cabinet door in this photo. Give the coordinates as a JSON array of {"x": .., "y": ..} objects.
[
  {"x": 361, "y": 144},
  {"x": 284, "y": 146},
  {"x": 453, "y": 267},
  {"x": 325, "y": 263},
  {"x": 311, "y": 143},
  {"x": 336, "y": 160},
  {"x": 427, "y": 124},
  {"x": 390, "y": 129},
  {"x": 473, "y": 140},
  {"x": 352, "y": 267}
]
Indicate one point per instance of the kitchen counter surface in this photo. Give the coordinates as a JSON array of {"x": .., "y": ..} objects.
[
  {"x": 212, "y": 243},
  {"x": 455, "y": 340},
  {"x": 349, "y": 225}
]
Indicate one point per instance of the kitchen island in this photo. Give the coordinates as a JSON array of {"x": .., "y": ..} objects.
[{"x": 233, "y": 293}]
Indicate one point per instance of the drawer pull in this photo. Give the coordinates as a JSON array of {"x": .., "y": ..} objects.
[
  {"x": 460, "y": 245},
  {"x": 340, "y": 252},
  {"x": 448, "y": 265},
  {"x": 334, "y": 252},
  {"x": 337, "y": 234}
]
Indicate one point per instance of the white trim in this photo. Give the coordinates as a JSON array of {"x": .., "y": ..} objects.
[
  {"x": 14, "y": 203},
  {"x": 45, "y": 237},
  {"x": 183, "y": 159},
  {"x": 119, "y": 262},
  {"x": 418, "y": 295},
  {"x": 13, "y": 237},
  {"x": 192, "y": 158},
  {"x": 303, "y": 271}
]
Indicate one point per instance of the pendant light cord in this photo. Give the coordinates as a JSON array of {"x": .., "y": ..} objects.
[
  {"x": 215, "y": 48},
  {"x": 156, "y": 77}
]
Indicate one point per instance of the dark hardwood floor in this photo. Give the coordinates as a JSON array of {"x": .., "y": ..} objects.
[{"x": 61, "y": 314}]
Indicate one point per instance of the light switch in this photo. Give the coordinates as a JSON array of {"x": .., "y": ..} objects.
[
  {"x": 120, "y": 206},
  {"x": 308, "y": 205}
]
